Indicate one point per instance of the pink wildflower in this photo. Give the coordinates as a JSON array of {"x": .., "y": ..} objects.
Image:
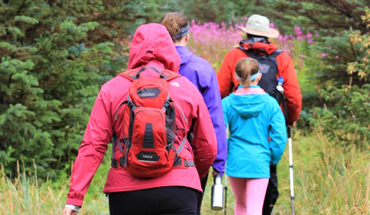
[{"x": 297, "y": 31}]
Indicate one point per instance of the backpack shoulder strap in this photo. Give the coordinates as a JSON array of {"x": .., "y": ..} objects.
[
  {"x": 251, "y": 53},
  {"x": 132, "y": 73},
  {"x": 128, "y": 74},
  {"x": 169, "y": 75},
  {"x": 244, "y": 50},
  {"x": 276, "y": 53}
]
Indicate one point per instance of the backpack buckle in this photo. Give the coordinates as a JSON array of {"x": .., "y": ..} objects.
[
  {"x": 166, "y": 104},
  {"x": 114, "y": 163},
  {"x": 131, "y": 105},
  {"x": 127, "y": 142}
]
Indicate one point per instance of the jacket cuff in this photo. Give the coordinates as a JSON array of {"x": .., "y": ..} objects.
[
  {"x": 73, "y": 207},
  {"x": 76, "y": 202},
  {"x": 218, "y": 169}
]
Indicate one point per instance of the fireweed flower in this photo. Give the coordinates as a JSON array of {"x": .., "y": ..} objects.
[
  {"x": 309, "y": 38},
  {"x": 212, "y": 41}
]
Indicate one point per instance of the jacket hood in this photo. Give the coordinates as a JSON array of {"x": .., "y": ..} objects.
[
  {"x": 268, "y": 48},
  {"x": 152, "y": 43},
  {"x": 248, "y": 106}
]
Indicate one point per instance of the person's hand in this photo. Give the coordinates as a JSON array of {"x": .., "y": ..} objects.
[
  {"x": 69, "y": 211},
  {"x": 214, "y": 173},
  {"x": 291, "y": 124}
]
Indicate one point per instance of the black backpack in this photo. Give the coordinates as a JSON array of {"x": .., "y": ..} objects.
[{"x": 269, "y": 70}]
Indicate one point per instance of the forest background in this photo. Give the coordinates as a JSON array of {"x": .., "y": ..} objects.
[{"x": 56, "y": 54}]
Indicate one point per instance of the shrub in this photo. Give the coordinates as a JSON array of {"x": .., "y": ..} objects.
[
  {"x": 55, "y": 55},
  {"x": 345, "y": 117}
]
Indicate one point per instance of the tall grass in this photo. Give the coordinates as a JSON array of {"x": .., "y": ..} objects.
[{"x": 328, "y": 179}]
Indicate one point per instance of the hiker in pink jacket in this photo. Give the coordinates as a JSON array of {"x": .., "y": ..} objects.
[{"x": 172, "y": 193}]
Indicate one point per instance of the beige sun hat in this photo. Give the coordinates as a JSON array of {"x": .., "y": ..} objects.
[{"x": 260, "y": 26}]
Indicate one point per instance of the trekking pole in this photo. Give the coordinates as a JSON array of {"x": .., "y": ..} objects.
[
  {"x": 291, "y": 169},
  {"x": 225, "y": 194},
  {"x": 227, "y": 135}
]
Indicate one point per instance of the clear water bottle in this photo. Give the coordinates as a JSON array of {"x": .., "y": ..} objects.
[
  {"x": 279, "y": 87},
  {"x": 217, "y": 195}
]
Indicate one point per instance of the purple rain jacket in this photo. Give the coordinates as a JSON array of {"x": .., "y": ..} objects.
[{"x": 203, "y": 76}]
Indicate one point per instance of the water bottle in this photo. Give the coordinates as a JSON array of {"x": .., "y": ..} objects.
[
  {"x": 217, "y": 196},
  {"x": 279, "y": 87},
  {"x": 280, "y": 97}
]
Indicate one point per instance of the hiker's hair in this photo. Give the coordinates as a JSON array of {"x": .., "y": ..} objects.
[
  {"x": 174, "y": 21},
  {"x": 244, "y": 69}
]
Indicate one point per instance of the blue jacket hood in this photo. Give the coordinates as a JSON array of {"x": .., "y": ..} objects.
[{"x": 248, "y": 106}]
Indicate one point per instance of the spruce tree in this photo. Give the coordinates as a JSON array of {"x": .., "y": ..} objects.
[{"x": 55, "y": 55}]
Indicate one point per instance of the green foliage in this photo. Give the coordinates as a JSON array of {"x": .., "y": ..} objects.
[
  {"x": 346, "y": 122},
  {"x": 199, "y": 10},
  {"x": 155, "y": 9},
  {"x": 55, "y": 55},
  {"x": 345, "y": 90},
  {"x": 336, "y": 53},
  {"x": 329, "y": 17},
  {"x": 208, "y": 10}
]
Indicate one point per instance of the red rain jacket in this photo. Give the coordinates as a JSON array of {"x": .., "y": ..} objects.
[
  {"x": 292, "y": 91},
  {"x": 151, "y": 46}
]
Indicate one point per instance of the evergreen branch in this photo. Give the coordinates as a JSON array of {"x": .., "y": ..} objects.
[
  {"x": 353, "y": 50},
  {"x": 315, "y": 20},
  {"x": 337, "y": 8},
  {"x": 346, "y": 8},
  {"x": 20, "y": 8}
]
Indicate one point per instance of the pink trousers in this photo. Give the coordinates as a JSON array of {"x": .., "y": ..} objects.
[{"x": 249, "y": 195}]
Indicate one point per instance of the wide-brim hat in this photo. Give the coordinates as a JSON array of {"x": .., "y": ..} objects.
[{"x": 260, "y": 26}]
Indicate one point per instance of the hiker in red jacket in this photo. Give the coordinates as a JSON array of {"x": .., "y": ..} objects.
[
  {"x": 257, "y": 44},
  {"x": 174, "y": 192}
]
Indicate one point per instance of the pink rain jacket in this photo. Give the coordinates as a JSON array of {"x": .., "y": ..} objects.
[{"x": 151, "y": 46}]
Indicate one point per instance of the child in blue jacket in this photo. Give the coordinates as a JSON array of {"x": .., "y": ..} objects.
[{"x": 257, "y": 138}]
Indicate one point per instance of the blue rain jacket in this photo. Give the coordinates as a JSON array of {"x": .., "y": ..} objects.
[
  {"x": 252, "y": 118},
  {"x": 203, "y": 76}
]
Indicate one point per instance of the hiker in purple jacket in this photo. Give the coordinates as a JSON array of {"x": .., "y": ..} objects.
[{"x": 203, "y": 76}]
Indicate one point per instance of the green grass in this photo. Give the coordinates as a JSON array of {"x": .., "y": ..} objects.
[{"x": 328, "y": 179}]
